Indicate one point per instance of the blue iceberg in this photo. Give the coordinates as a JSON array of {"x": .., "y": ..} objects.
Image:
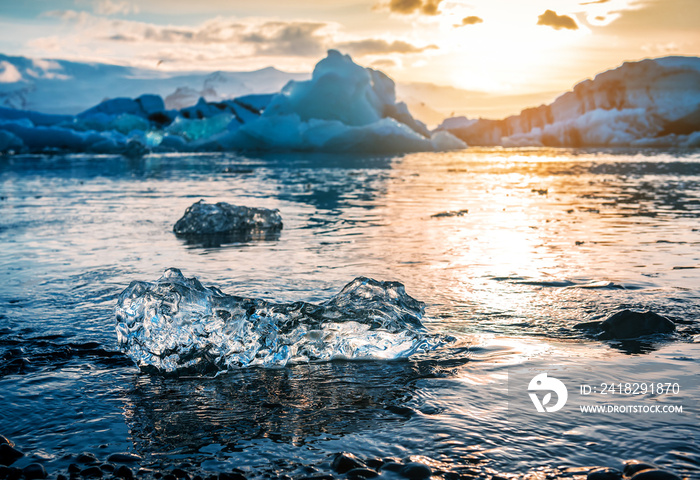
[{"x": 343, "y": 108}]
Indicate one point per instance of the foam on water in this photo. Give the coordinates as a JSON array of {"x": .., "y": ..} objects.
[{"x": 177, "y": 324}]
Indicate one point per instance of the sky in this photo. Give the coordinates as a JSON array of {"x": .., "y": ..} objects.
[{"x": 499, "y": 46}]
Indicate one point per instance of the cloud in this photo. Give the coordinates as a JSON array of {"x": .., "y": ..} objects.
[
  {"x": 593, "y": 3},
  {"x": 551, "y": 19},
  {"x": 287, "y": 38},
  {"x": 384, "y": 63},
  {"x": 109, "y": 7},
  {"x": 373, "y": 46},
  {"x": 406, "y": 7},
  {"x": 471, "y": 20}
]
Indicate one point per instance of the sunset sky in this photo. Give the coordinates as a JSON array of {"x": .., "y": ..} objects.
[{"x": 502, "y": 46}]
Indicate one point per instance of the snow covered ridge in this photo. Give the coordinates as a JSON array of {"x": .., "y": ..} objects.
[
  {"x": 651, "y": 103},
  {"x": 342, "y": 108}
]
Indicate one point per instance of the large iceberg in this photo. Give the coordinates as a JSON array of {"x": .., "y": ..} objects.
[
  {"x": 654, "y": 102},
  {"x": 176, "y": 324},
  {"x": 342, "y": 108}
]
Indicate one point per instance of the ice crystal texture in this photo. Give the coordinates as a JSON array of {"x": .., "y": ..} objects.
[{"x": 176, "y": 324}]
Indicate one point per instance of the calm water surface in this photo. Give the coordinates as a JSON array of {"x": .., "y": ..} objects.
[{"x": 547, "y": 239}]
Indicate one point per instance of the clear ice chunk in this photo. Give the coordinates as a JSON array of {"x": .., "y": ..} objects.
[
  {"x": 203, "y": 218},
  {"x": 177, "y": 325}
]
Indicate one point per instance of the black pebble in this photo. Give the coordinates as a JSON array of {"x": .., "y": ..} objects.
[
  {"x": 86, "y": 458},
  {"x": 318, "y": 477},
  {"x": 157, "y": 475},
  {"x": 634, "y": 466},
  {"x": 60, "y": 476},
  {"x": 197, "y": 477},
  {"x": 74, "y": 468},
  {"x": 34, "y": 471},
  {"x": 231, "y": 476},
  {"x": 107, "y": 467},
  {"x": 123, "y": 458},
  {"x": 124, "y": 472},
  {"x": 415, "y": 471},
  {"x": 604, "y": 473},
  {"x": 375, "y": 463},
  {"x": 6, "y": 441},
  {"x": 392, "y": 466},
  {"x": 169, "y": 476},
  {"x": 180, "y": 473},
  {"x": 344, "y": 462},
  {"x": 91, "y": 472},
  {"x": 9, "y": 454},
  {"x": 4, "y": 471},
  {"x": 14, "y": 473},
  {"x": 655, "y": 475},
  {"x": 361, "y": 473}
]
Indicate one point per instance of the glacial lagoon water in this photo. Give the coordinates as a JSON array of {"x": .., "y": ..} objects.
[{"x": 508, "y": 249}]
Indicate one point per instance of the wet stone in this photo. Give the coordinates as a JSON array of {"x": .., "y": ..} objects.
[
  {"x": 123, "y": 458},
  {"x": 415, "y": 471},
  {"x": 169, "y": 476},
  {"x": 107, "y": 467},
  {"x": 34, "y": 471},
  {"x": 60, "y": 476},
  {"x": 375, "y": 463},
  {"x": 124, "y": 472},
  {"x": 231, "y": 476},
  {"x": 91, "y": 472},
  {"x": 633, "y": 466},
  {"x": 392, "y": 466},
  {"x": 655, "y": 475},
  {"x": 6, "y": 441},
  {"x": 9, "y": 454},
  {"x": 604, "y": 473},
  {"x": 344, "y": 462},
  {"x": 361, "y": 473},
  {"x": 180, "y": 473},
  {"x": 74, "y": 468},
  {"x": 86, "y": 458}
]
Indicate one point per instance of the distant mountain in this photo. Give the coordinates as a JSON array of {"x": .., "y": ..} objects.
[
  {"x": 65, "y": 87},
  {"x": 650, "y": 103}
]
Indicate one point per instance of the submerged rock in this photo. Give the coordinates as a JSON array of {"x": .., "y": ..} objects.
[
  {"x": 177, "y": 324},
  {"x": 222, "y": 218},
  {"x": 629, "y": 324},
  {"x": 604, "y": 473}
]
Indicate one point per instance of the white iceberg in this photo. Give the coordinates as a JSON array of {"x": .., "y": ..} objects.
[
  {"x": 654, "y": 102},
  {"x": 342, "y": 108}
]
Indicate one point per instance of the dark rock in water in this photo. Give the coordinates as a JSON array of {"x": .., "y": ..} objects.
[
  {"x": 604, "y": 473},
  {"x": 629, "y": 324},
  {"x": 124, "y": 472},
  {"x": 375, "y": 463},
  {"x": 451, "y": 213},
  {"x": 633, "y": 466},
  {"x": 61, "y": 477},
  {"x": 392, "y": 466},
  {"x": 34, "y": 471},
  {"x": 14, "y": 473},
  {"x": 231, "y": 476},
  {"x": 180, "y": 473},
  {"x": 86, "y": 458},
  {"x": 361, "y": 473},
  {"x": 123, "y": 458},
  {"x": 344, "y": 462},
  {"x": 5, "y": 441},
  {"x": 9, "y": 454},
  {"x": 655, "y": 475},
  {"x": 74, "y": 468},
  {"x": 107, "y": 467},
  {"x": 169, "y": 476},
  {"x": 204, "y": 218},
  {"x": 415, "y": 471},
  {"x": 91, "y": 472}
]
